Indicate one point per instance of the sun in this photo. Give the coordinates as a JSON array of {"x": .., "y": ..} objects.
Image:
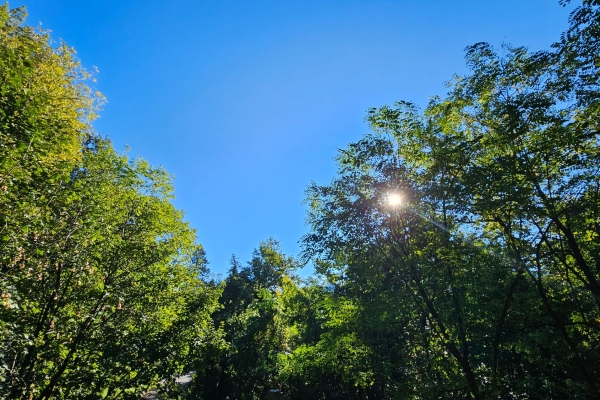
[{"x": 394, "y": 199}]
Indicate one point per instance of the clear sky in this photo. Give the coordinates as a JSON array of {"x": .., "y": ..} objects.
[{"x": 245, "y": 102}]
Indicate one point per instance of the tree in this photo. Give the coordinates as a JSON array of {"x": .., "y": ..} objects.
[
  {"x": 251, "y": 318},
  {"x": 101, "y": 295},
  {"x": 495, "y": 248}
]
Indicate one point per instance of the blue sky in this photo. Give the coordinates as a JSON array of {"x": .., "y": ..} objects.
[{"x": 246, "y": 102}]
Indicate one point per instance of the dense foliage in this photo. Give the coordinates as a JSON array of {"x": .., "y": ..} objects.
[
  {"x": 99, "y": 275},
  {"x": 482, "y": 282}
]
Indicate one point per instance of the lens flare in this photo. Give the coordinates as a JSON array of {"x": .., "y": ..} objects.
[{"x": 394, "y": 199}]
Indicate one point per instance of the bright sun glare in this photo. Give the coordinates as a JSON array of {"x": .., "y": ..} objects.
[{"x": 394, "y": 199}]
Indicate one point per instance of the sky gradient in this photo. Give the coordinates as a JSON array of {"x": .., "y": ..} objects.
[{"x": 247, "y": 102}]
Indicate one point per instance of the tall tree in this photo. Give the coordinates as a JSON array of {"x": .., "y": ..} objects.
[
  {"x": 101, "y": 296},
  {"x": 495, "y": 247},
  {"x": 254, "y": 329}
]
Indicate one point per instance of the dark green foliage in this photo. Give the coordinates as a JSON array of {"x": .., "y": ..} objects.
[
  {"x": 250, "y": 318},
  {"x": 484, "y": 282},
  {"x": 491, "y": 262}
]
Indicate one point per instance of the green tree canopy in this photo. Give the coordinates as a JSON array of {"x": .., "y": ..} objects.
[
  {"x": 99, "y": 274},
  {"x": 495, "y": 246}
]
